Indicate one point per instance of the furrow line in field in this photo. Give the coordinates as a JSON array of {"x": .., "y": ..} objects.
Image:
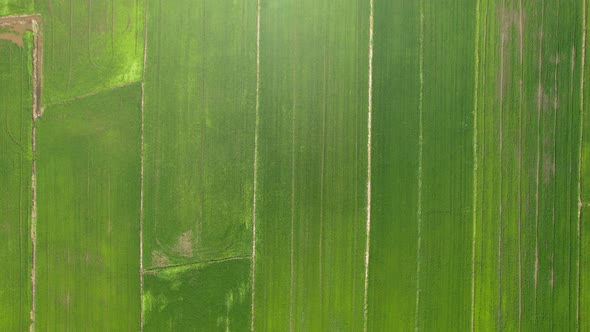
[
  {"x": 520, "y": 96},
  {"x": 33, "y": 224},
  {"x": 555, "y": 109},
  {"x": 571, "y": 156},
  {"x": 155, "y": 269},
  {"x": 203, "y": 110},
  {"x": 20, "y": 233},
  {"x": 293, "y": 136},
  {"x": 11, "y": 20},
  {"x": 34, "y": 229},
  {"x": 292, "y": 242},
  {"x": 92, "y": 93},
  {"x": 255, "y": 176},
  {"x": 482, "y": 199},
  {"x": 141, "y": 166},
  {"x": 37, "y": 111},
  {"x": 136, "y": 23},
  {"x": 579, "y": 226},
  {"x": 420, "y": 161},
  {"x": 70, "y": 48},
  {"x": 357, "y": 116},
  {"x": 539, "y": 102},
  {"x": 141, "y": 270},
  {"x": 369, "y": 133},
  {"x": 323, "y": 160},
  {"x": 475, "y": 163},
  {"x": 36, "y": 23},
  {"x": 500, "y": 229}
]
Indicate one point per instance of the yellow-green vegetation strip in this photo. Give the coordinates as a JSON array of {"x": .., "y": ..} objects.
[
  {"x": 15, "y": 7},
  {"x": 89, "y": 45}
]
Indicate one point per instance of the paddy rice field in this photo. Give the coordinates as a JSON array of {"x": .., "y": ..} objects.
[{"x": 294, "y": 165}]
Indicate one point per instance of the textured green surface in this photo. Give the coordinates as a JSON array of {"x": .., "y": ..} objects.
[
  {"x": 199, "y": 131},
  {"x": 15, "y": 183},
  {"x": 447, "y": 107},
  {"x": 311, "y": 197},
  {"x": 584, "y": 223},
  {"x": 199, "y": 297},
  {"x": 584, "y": 269},
  {"x": 90, "y": 45},
  {"x": 527, "y": 139},
  {"x": 395, "y": 149},
  {"x": 479, "y": 201},
  {"x": 15, "y": 7},
  {"x": 88, "y": 194},
  {"x": 585, "y": 189}
]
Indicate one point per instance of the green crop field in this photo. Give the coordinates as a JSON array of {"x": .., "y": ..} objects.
[
  {"x": 294, "y": 165},
  {"x": 15, "y": 182},
  {"x": 88, "y": 207}
]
